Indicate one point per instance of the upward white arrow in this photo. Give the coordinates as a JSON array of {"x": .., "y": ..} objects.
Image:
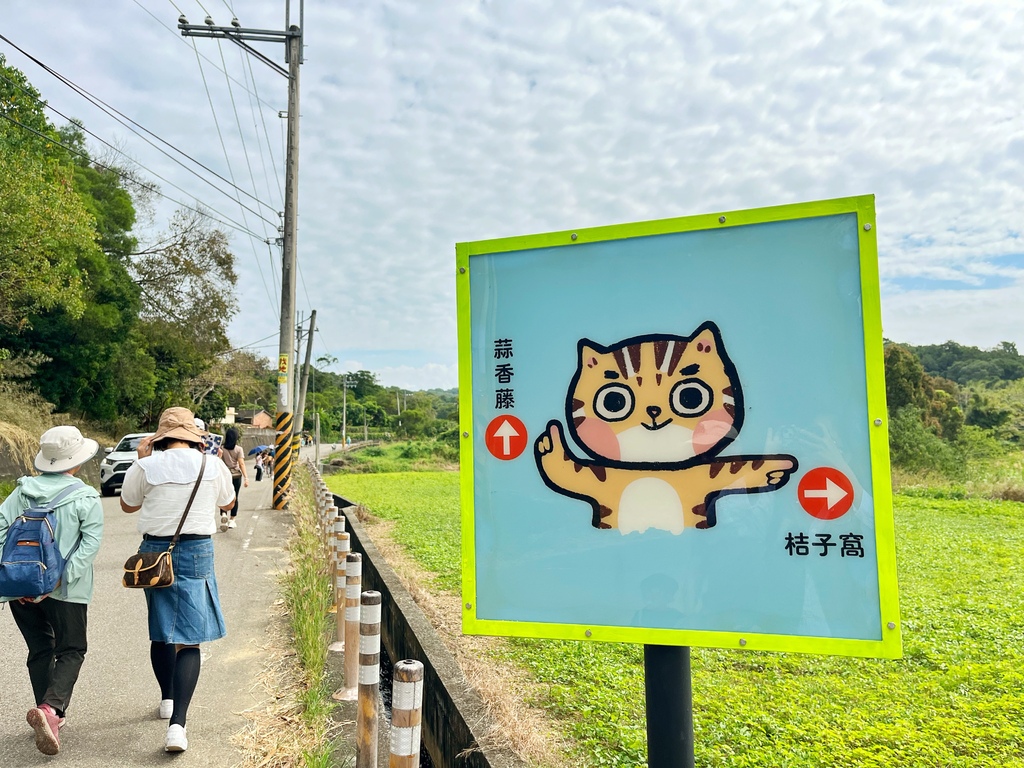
[
  {"x": 506, "y": 432},
  {"x": 832, "y": 493}
]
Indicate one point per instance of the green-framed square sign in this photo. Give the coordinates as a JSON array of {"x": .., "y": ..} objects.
[{"x": 674, "y": 432}]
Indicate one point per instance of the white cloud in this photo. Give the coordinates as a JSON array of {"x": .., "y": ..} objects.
[
  {"x": 980, "y": 318},
  {"x": 427, "y": 123}
]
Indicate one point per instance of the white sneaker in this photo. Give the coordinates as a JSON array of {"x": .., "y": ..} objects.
[
  {"x": 166, "y": 708},
  {"x": 223, "y": 521},
  {"x": 175, "y": 741},
  {"x": 232, "y": 523}
]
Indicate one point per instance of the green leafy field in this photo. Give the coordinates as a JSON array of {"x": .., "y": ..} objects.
[
  {"x": 416, "y": 455},
  {"x": 956, "y": 699}
]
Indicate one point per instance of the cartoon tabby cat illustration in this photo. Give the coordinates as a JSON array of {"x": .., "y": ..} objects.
[{"x": 653, "y": 412}]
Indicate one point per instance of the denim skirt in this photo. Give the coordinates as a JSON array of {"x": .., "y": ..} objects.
[{"x": 187, "y": 612}]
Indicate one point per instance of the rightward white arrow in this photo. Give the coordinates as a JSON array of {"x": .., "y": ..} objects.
[
  {"x": 506, "y": 432},
  {"x": 832, "y": 493}
]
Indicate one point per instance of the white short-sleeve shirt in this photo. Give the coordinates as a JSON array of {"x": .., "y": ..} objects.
[{"x": 162, "y": 483}]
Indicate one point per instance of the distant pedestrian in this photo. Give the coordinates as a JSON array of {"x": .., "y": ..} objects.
[
  {"x": 232, "y": 456},
  {"x": 54, "y": 625},
  {"x": 259, "y": 466},
  {"x": 188, "y": 612}
]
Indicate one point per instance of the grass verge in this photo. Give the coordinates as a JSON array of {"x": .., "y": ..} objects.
[
  {"x": 999, "y": 478},
  {"x": 308, "y": 598},
  {"x": 954, "y": 700}
]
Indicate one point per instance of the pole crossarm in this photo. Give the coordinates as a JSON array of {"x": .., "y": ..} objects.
[
  {"x": 238, "y": 36},
  {"x": 204, "y": 30}
]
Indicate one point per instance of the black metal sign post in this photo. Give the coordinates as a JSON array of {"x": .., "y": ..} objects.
[{"x": 669, "y": 698}]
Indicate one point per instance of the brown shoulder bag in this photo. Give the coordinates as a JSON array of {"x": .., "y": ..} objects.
[{"x": 152, "y": 570}]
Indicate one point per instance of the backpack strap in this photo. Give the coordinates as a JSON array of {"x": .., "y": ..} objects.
[
  {"x": 67, "y": 491},
  {"x": 55, "y": 502}
]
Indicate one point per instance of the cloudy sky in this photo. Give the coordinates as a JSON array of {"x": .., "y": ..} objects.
[{"x": 429, "y": 122}]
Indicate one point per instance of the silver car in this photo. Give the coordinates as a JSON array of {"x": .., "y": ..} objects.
[{"x": 117, "y": 461}]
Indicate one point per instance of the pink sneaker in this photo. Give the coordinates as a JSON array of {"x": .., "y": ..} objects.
[{"x": 45, "y": 723}]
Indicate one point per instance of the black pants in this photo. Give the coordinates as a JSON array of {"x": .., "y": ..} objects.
[
  {"x": 54, "y": 632},
  {"x": 236, "y": 480}
]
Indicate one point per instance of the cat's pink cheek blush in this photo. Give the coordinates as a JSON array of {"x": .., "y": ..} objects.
[
  {"x": 711, "y": 429},
  {"x": 599, "y": 438}
]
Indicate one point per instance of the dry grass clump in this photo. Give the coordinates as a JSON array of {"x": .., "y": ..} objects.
[
  {"x": 1007, "y": 491},
  {"x": 503, "y": 687},
  {"x": 18, "y": 446},
  {"x": 24, "y": 416},
  {"x": 277, "y": 734}
]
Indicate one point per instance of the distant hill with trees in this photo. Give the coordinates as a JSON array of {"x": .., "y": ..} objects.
[{"x": 949, "y": 403}]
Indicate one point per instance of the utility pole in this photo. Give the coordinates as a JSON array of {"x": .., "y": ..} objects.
[
  {"x": 284, "y": 423},
  {"x": 344, "y": 408},
  {"x": 297, "y": 377},
  {"x": 300, "y": 411}
]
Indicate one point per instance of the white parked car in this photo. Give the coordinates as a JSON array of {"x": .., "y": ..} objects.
[{"x": 117, "y": 461}]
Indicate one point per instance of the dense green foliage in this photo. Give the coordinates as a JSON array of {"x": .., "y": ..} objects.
[
  {"x": 111, "y": 332},
  {"x": 964, "y": 364},
  {"x": 308, "y": 597},
  {"x": 372, "y": 410},
  {"x": 953, "y": 701},
  {"x": 949, "y": 403}
]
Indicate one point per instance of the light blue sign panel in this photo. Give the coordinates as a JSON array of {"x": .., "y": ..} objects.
[{"x": 699, "y": 453}]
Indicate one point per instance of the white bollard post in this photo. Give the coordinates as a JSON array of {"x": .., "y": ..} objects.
[
  {"x": 369, "y": 680},
  {"x": 340, "y": 579},
  {"x": 353, "y": 587},
  {"x": 406, "y": 714}
]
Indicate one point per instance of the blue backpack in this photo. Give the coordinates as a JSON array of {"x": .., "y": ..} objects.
[{"x": 31, "y": 564}]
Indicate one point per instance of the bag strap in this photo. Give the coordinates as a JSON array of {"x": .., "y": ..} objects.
[
  {"x": 55, "y": 502},
  {"x": 195, "y": 490},
  {"x": 52, "y": 504}
]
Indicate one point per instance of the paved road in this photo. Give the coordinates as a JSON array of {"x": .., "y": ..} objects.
[{"x": 112, "y": 721}]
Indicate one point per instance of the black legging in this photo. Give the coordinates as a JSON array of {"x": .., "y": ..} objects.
[
  {"x": 177, "y": 672},
  {"x": 236, "y": 480}
]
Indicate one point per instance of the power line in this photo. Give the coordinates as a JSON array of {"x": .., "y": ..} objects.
[
  {"x": 253, "y": 108},
  {"x": 120, "y": 117},
  {"x": 254, "y": 343},
  {"x": 231, "y": 172},
  {"x": 238, "y": 122},
  {"x": 303, "y": 281},
  {"x": 245, "y": 152},
  {"x": 273, "y": 271},
  {"x": 230, "y": 223},
  {"x": 120, "y": 151},
  {"x": 244, "y": 228},
  {"x": 178, "y": 37}
]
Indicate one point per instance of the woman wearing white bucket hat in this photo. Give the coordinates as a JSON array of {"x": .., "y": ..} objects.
[{"x": 54, "y": 626}]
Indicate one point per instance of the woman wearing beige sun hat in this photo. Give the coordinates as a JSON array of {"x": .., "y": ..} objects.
[
  {"x": 54, "y": 625},
  {"x": 188, "y": 612}
]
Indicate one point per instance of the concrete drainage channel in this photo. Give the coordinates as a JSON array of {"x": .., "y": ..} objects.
[{"x": 454, "y": 716}]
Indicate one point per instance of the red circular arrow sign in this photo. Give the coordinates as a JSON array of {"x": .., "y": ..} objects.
[
  {"x": 506, "y": 437},
  {"x": 825, "y": 493}
]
